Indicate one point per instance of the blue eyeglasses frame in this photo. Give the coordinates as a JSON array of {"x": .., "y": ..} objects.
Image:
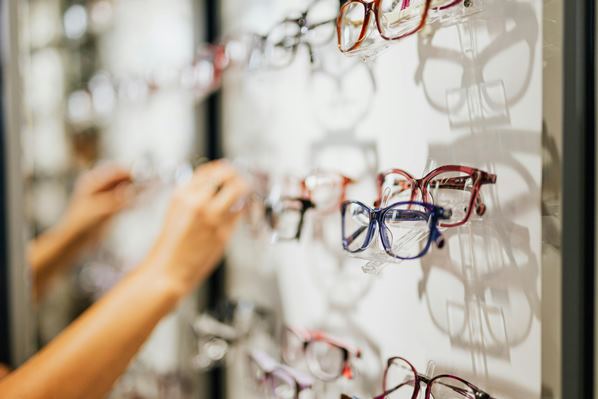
[{"x": 404, "y": 210}]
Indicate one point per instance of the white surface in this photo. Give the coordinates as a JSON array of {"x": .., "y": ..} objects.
[{"x": 490, "y": 267}]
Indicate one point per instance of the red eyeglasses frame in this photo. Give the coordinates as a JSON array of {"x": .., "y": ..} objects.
[
  {"x": 374, "y": 7},
  {"x": 479, "y": 178},
  {"x": 309, "y": 336}
]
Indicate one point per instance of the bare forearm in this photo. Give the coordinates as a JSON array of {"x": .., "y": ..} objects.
[
  {"x": 52, "y": 252},
  {"x": 86, "y": 359}
]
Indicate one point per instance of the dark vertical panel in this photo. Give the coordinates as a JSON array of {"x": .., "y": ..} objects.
[
  {"x": 4, "y": 226},
  {"x": 213, "y": 133},
  {"x": 214, "y": 150},
  {"x": 578, "y": 252}
]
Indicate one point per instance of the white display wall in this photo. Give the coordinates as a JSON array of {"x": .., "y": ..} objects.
[{"x": 467, "y": 94}]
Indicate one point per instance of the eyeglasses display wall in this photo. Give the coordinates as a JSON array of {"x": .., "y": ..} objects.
[{"x": 402, "y": 229}]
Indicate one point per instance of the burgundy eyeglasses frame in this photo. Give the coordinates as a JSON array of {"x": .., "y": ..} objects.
[
  {"x": 374, "y": 7},
  {"x": 419, "y": 379},
  {"x": 479, "y": 178},
  {"x": 309, "y": 336}
]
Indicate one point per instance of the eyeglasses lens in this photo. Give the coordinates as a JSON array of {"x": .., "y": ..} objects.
[
  {"x": 325, "y": 361},
  {"x": 401, "y": 17},
  {"x": 256, "y": 212},
  {"x": 396, "y": 188},
  {"x": 352, "y": 21},
  {"x": 292, "y": 348},
  {"x": 400, "y": 379},
  {"x": 283, "y": 386},
  {"x": 285, "y": 219},
  {"x": 406, "y": 229},
  {"x": 450, "y": 388},
  {"x": 453, "y": 191},
  {"x": 356, "y": 221},
  {"x": 325, "y": 191}
]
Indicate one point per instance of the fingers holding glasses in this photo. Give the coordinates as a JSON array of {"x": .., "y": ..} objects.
[
  {"x": 210, "y": 178},
  {"x": 218, "y": 188},
  {"x": 228, "y": 201}
]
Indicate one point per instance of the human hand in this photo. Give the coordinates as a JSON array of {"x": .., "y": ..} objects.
[
  {"x": 199, "y": 222},
  {"x": 99, "y": 195}
]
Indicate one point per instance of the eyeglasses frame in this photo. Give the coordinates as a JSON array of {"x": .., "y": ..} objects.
[
  {"x": 374, "y": 7},
  {"x": 419, "y": 378},
  {"x": 309, "y": 336},
  {"x": 280, "y": 368},
  {"x": 306, "y": 204},
  {"x": 377, "y": 218},
  {"x": 344, "y": 183},
  {"x": 479, "y": 176},
  {"x": 301, "y": 22}
]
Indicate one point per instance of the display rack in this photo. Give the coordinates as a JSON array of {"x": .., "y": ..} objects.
[
  {"x": 213, "y": 150},
  {"x": 17, "y": 327},
  {"x": 578, "y": 255},
  {"x": 5, "y": 339},
  {"x": 579, "y": 200}
]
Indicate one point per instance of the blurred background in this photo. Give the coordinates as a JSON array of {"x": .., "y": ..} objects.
[
  {"x": 119, "y": 80},
  {"x": 101, "y": 81}
]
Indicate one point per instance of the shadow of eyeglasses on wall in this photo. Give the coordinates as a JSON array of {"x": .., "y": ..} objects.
[
  {"x": 487, "y": 302},
  {"x": 341, "y": 90},
  {"x": 482, "y": 290},
  {"x": 469, "y": 83}
]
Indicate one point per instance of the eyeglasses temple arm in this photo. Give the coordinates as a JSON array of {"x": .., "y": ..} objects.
[
  {"x": 452, "y": 183},
  {"x": 409, "y": 215},
  {"x": 488, "y": 178},
  {"x": 388, "y": 392},
  {"x": 479, "y": 394},
  {"x": 356, "y": 234}
]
